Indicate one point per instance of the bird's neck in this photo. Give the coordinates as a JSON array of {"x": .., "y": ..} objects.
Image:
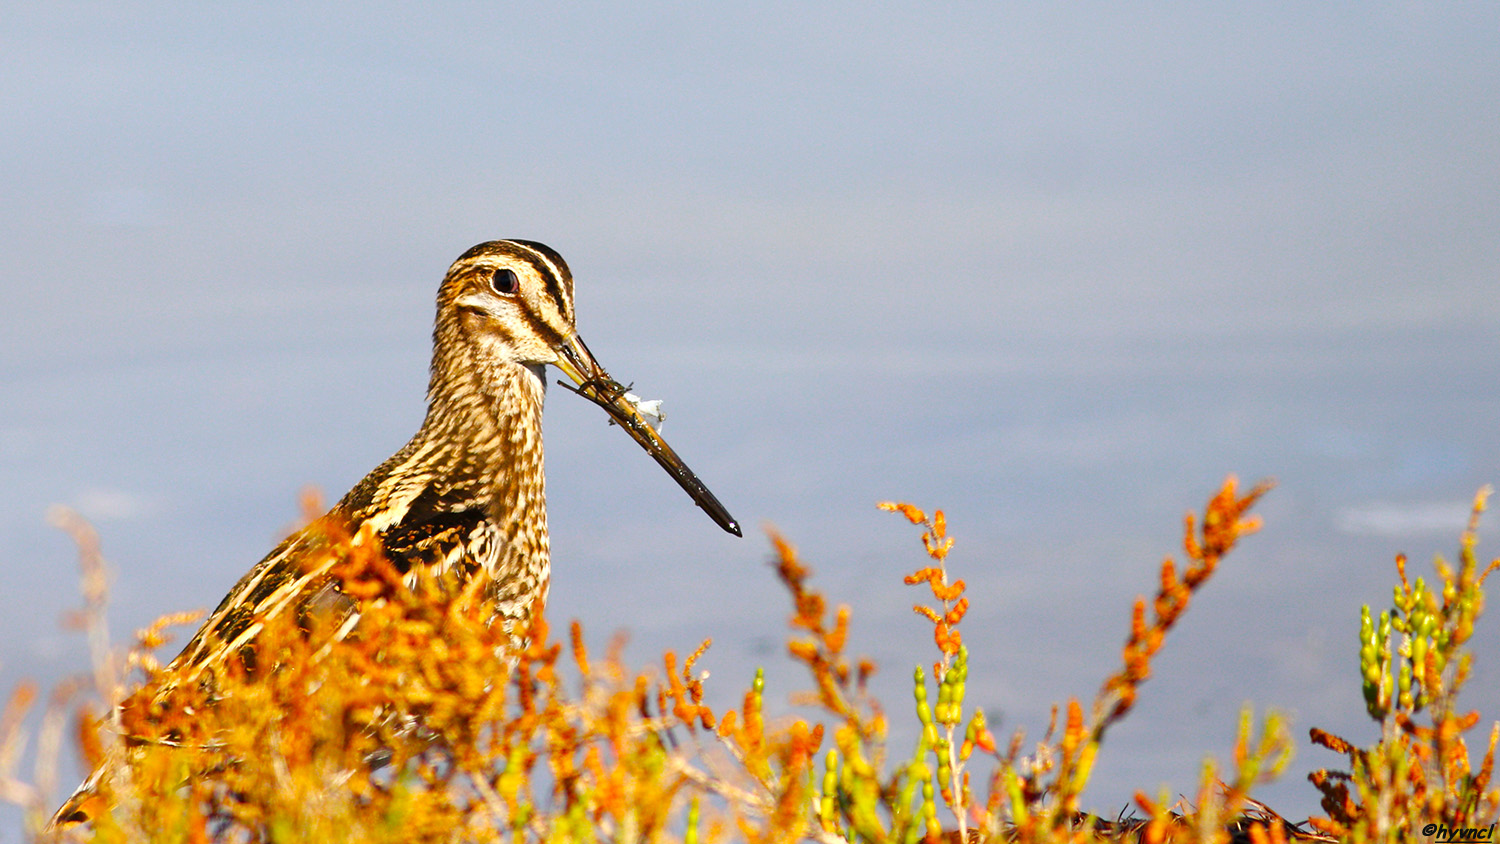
[
  {"x": 486, "y": 420},
  {"x": 483, "y": 433}
]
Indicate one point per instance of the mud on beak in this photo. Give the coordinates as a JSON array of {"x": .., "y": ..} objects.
[{"x": 594, "y": 384}]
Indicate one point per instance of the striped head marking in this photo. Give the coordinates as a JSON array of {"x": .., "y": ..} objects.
[{"x": 512, "y": 299}]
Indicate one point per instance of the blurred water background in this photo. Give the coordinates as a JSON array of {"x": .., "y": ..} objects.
[{"x": 1056, "y": 268}]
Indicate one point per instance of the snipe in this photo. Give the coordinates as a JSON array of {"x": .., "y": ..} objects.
[{"x": 466, "y": 494}]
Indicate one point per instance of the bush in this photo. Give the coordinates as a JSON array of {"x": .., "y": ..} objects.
[{"x": 426, "y": 723}]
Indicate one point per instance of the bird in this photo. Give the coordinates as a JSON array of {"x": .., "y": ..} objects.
[{"x": 466, "y": 495}]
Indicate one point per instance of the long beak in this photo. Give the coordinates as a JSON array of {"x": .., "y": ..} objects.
[{"x": 594, "y": 384}]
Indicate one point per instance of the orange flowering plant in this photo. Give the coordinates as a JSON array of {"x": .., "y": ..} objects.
[{"x": 429, "y": 723}]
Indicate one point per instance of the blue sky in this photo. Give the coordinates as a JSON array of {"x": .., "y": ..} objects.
[{"x": 1057, "y": 268}]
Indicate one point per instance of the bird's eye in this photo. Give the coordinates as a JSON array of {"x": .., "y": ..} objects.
[{"x": 505, "y": 282}]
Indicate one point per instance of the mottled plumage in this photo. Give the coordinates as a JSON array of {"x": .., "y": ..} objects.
[{"x": 467, "y": 492}]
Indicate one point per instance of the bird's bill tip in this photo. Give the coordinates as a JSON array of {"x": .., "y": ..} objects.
[{"x": 594, "y": 384}]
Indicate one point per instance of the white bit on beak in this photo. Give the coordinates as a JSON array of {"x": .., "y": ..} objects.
[{"x": 649, "y": 409}]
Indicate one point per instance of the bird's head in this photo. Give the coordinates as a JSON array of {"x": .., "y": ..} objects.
[{"x": 509, "y": 303}]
